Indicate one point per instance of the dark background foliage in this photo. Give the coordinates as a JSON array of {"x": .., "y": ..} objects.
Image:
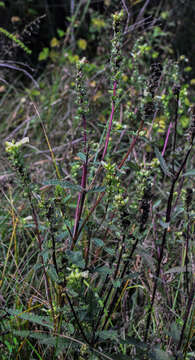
[{"x": 180, "y": 24}]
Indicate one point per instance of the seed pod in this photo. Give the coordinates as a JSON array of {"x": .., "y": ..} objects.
[
  {"x": 145, "y": 204},
  {"x": 176, "y": 89},
  {"x": 155, "y": 73},
  {"x": 188, "y": 199}
]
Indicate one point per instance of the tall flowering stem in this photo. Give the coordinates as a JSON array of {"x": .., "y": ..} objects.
[
  {"x": 82, "y": 111},
  {"x": 17, "y": 160},
  {"x": 115, "y": 68},
  {"x": 115, "y": 61},
  {"x": 110, "y": 122}
]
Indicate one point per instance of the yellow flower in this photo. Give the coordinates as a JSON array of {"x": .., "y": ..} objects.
[
  {"x": 97, "y": 95},
  {"x": 54, "y": 42},
  {"x": 82, "y": 44},
  {"x": 98, "y": 23},
  {"x": 9, "y": 146},
  {"x": 124, "y": 77}
]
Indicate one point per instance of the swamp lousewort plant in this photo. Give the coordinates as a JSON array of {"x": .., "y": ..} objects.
[{"x": 113, "y": 274}]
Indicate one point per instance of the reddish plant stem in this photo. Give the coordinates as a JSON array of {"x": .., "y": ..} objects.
[
  {"x": 167, "y": 138},
  {"x": 77, "y": 231},
  {"x": 175, "y": 130},
  {"x": 103, "y": 193},
  {"x": 131, "y": 146},
  {"x": 82, "y": 194}
]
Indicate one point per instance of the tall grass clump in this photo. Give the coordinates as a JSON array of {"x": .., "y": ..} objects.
[{"x": 97, "y": 254}]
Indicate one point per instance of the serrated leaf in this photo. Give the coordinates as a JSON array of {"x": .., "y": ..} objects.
[
  {"x": 178, "y": 210},
  {"x": 117, "y": 283},
  {"x": 108, "y": 334},
  {"x": 163, "y": 164},
  {"x": 109, "y": 251},
  {"x": 104, "y": 270},
  {"x": 189, "y": 173},
  {"x": 76, "y": 257},
  {"x": 37, "y": 267},
  {"x": 52, "y": 273},
  {"x": 63, "y": 184},
  {"x": 98, "y": 242},
  {"x": 82, "y": 156},
  {"x": 178, "y": 269},
  {"x": 156, "y": 204},
  {"x": 147, "y": 258},
  {"x": 175, "y": 332},
  {"x": 22, "y": 333},
  {"x": 165, "y": 225},
  {"x": 157, "y": 354},
  {"x": 41, "y": 320},
  {"x": 97, "y": 189},
  {"x": 45, "y": 254},
  {"x": 53, "y": 340}
]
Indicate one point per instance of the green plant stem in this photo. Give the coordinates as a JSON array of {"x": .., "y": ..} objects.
[
  {"x": 41, "y": 256},
  {"x": 110, "y": 122},
  {"x": 76, "y": 318},
  {"x": 188, "y": 309}
]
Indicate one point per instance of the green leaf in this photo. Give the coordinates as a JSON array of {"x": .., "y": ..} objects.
[
  {"x": 43, "y": 54},
  {"x": 22, "y": 333},
  {"x": 109, "y": 251},
  {"x": 178, "y": 210},
  {"x": 157, "y": 354},
  {"x": 76, "y": 257},
  {"x": 189, "y": 173},
  {"x": 63, "y": 184},
  {"x": 52, "y": 273},
  {"x": 104, "y": 270},
  {"x": 37, "y": 267},
  {"x": 82, "y": 156},
  {"x": 45, "y": 254},
  {"x": 71, "y": 328},
  {"x": 61, "y": 33},
  {"x": 156, "y": 204},
  {"x": 117, "y": 283},
  {"x": 147, "y": 258},
  {"x": 2, "y": 4},
  {"x": 98, "y": 242},
  {"x": 178, "y": 269},
  {"x": 53, "y": 341},
  {"x": 175, "y": 332},
  {"x": 97, "y": 189},
  {"x": 165, "y": 225},
  {"x": 163, "y": 164},
  {"x": 108, "y": 334},
  {"x": 44, "y": 338},
  {"x": 41, "y": 320}
]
